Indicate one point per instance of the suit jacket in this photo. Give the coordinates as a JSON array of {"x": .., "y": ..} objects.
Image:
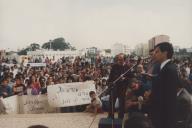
[
  {"x": 116, "y": 71},
  {"x": 163, "y": 98},
  {"x": 184, "y": 107},
  {"x": 120, "y": 86}
]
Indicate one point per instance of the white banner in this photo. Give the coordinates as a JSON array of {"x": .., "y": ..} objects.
[
  {"x": 35, "y": 104},
  {"x": 11, "y": 104},
  {"x": 35, "y": 64},
  {"x": 70, "y": 94}
]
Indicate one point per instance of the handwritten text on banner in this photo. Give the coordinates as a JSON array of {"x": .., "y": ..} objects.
[{"x": 70, "y": 94}]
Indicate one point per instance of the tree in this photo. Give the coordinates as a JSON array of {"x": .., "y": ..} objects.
[
  {"x": 73, "y": 48},
  {"x": 31, "y": 47},
  {"x": 24, "y": 51},
  {"x": 108, "y": 50},
  {"x": 183, "y": 51},
  {"x": 34, "y": 46},
  {"x": 57, "y": 44}
]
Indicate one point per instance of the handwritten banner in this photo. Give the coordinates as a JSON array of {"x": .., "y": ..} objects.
[
  {"x": 35, "y": 64},
  {"x": 35, "y": 104},
  {"x": 11, "y": 105},
  {"x": 70, "y": 94}
]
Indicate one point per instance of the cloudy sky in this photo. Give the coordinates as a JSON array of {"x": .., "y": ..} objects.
[{"x": 99, "y": 23}]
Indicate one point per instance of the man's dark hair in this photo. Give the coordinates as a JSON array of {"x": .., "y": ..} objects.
[
  {"x": 151, "y": 50},
  {"x": 37, "y": 126},
  {"x": 138, "y": 121},
  {"x": 91, "y": 93},
  {"x": 166, "y": 47},
  {"x": 5, "y": 79}
]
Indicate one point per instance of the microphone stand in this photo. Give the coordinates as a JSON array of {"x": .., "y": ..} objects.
[{"x": 113, "y": 85}]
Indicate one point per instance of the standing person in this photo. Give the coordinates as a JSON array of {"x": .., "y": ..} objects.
[
  {"x": 164, "y": 88},
  {"x": 120, "y": 88}
]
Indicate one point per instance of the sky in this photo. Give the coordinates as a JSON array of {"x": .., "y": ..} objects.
[{"x": 100, "y": 23}]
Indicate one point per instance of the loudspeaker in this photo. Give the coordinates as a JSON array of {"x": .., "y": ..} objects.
[{"x": 110, "y": 123}]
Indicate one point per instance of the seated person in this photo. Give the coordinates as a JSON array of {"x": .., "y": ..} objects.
[
  {"x": 134, "y": 96},
  {"x": 146, "y": 103},
  {"x": 5, "y": 89},
  {"x": 19, "y": 88},
  {"x": 96, "y": 105}
]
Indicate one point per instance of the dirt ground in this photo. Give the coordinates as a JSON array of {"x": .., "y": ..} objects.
[{"x": 56, "y": 120}]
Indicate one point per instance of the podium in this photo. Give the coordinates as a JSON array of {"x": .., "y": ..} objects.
[{"x": 110, "y": 123}]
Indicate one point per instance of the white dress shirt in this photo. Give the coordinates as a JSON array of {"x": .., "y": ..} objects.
[{"x": 164, "y": 63}]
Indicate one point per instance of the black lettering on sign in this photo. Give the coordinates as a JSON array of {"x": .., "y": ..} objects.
[
  {"x": 33, "y": 102},
  {"x": 60, "y": 90},
  {"x": 67, "y": 101},
  {"x": 33, "y": 108}
]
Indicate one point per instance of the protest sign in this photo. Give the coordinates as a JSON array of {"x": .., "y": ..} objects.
[
  {"x": 70, "y": 94},
  {"x": 35, "y": 104},
  {"x": 11, "y": 104},
  {"x": 35, "y": 64}
]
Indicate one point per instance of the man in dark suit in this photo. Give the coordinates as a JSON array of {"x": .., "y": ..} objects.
[
  {"x": 119, "y": 88},
  {"x": 164, "y": 88}
]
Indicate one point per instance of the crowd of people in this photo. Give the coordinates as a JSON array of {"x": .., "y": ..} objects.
[
  {"x": 132, "y": 93},
  {"x": 22, "y": 80}
]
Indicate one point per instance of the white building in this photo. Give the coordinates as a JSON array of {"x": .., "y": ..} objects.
[
  {"x": 120, "y": 48},
  {"x": 142, "y": 49},
  {"x": 104, "y": 53},
  {"x": 92, "y": 50},
  {"x": 2, "y": 54},
  {"x": 189, "y": 50},
  {"x": 158, "y": 39},
  {"x": 54, "y": 55},
  {"x": 176, "y": 48}
]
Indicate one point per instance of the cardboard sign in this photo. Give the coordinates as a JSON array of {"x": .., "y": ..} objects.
[
  {"x": 35, "y": 104},
  {"x": 11, "y": 104},
  {"x": 70, "y": 94},
  {"x": 35, "y": 64}
]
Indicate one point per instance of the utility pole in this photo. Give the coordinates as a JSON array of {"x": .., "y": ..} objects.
[{"x": 50, "y": 41}]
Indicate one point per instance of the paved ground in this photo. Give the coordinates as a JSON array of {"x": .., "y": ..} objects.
[{"x": 59, "y": 120}]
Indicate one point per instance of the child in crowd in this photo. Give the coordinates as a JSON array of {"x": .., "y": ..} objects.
[
  {"x": 5, "y": 89},
  {"x": 96, "y": 105},
  {"x": 19, "y": 88},
  {"x": 134, "y": 96}
]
